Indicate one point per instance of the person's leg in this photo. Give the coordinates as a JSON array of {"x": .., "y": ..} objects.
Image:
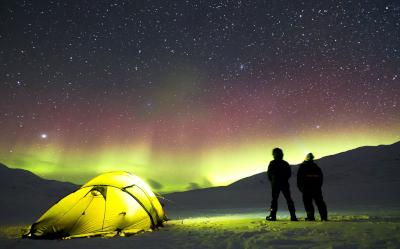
[
  {"x": 289, "y": 201},
  {"x": 308, "y": 205},
  {"x": 319, "y": 201},
  {"x": 274, "y": 202}
]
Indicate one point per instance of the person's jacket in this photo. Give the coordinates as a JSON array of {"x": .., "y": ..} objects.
[
  {"x": 309, "y": 176},
  {"x": 279, "y": 172}
]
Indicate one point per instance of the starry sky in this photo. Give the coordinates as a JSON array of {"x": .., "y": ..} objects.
[{"x": 189, "y": 94}]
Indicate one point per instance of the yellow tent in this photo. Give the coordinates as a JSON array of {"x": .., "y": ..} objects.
[{"x": 109, "y": 204}]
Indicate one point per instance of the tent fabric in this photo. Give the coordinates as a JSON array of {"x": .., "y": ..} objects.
[{"x": 109, "y": 204}]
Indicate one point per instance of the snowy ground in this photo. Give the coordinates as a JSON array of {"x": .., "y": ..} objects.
[{"x": 241, "y": 229}]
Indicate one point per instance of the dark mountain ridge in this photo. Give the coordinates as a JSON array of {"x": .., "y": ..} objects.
[
  {"x": 365, "y": 176},
  {"x": 25, "y": 196}
]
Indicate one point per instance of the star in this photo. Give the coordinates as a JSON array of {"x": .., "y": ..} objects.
[{"x": 190, "y": 83}]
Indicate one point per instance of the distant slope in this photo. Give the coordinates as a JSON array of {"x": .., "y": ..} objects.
[
  {"x": 363, "y": 177},
  {"x": 25, "y": 196}
]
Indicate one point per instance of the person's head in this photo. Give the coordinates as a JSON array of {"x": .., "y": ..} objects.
[
  {"x": 309, "y": 157},
  {"x": 277, "y": 153}
]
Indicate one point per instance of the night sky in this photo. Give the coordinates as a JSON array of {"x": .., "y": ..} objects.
[{"x": 189, "y": 94}]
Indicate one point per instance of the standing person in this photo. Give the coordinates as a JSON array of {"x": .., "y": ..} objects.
[
  {"x": 279, "y": 173},
  {"x": 309, "y": 182}
]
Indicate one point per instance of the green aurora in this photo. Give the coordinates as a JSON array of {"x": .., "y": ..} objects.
[
  {"x": 193, "y": 94},
  {"x": 173, "y": 170}
]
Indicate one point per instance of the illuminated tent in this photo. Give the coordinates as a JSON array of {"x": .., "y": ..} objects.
[{"x": 109, "y": 204}]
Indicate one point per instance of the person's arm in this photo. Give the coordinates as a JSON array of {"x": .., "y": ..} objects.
[
  {"x": 288, "y": 171},
  {"x": 269, "y": 171},
  {"x": 300, "y": 179}
]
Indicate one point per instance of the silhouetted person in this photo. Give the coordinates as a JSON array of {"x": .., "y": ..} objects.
[
  {"x": 279, "y": 173},
  {"x": 309, "y": 182}
]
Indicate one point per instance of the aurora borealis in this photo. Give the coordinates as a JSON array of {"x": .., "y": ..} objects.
[{"x": 189, "y": 94}]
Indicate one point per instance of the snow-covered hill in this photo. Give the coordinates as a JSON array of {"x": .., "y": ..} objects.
[
  {"x": 25, "y": 196},
  {"x": 364, "y": 177}
]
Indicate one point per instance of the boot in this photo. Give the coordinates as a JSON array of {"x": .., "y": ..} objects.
[
  {"x": 271, "y": 218},
  {"x": 310, "y": 216},
  {"x": 293, "y": 216},
  {"x": 324, "y": 218},
  {"x": 324, "y": 215}
]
